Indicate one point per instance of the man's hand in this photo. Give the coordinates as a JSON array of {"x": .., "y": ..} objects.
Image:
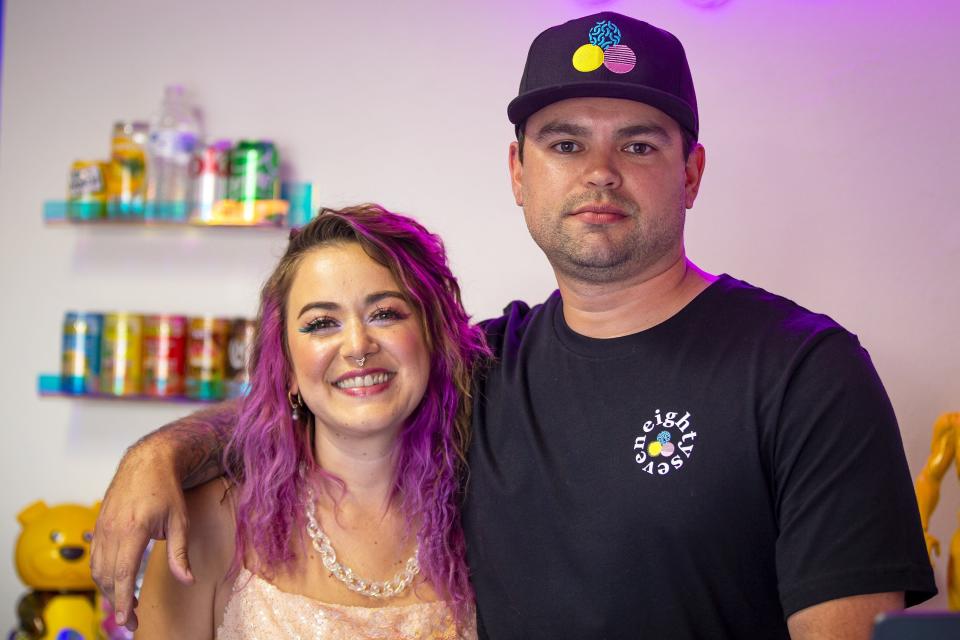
[{"x": 144, "y": 501}]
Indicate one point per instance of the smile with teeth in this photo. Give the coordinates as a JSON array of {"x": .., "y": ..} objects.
[{"x": 368, "y": 380}]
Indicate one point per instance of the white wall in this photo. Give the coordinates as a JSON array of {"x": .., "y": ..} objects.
[{"x": 830, "y": 128}]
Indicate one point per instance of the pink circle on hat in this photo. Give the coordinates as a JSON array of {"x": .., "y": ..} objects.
[{"x": 619, "y": 58}]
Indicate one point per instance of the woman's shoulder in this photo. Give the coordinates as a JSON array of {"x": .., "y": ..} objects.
[
  {"x": 211, "y": 502},
  {"x": 210, "y": 509},
  {"x": 171, "y": 609}
]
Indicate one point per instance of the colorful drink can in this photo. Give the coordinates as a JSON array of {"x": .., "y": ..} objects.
[
  {"x": 238, "y": 356},
  {"x": 207, "y": 357},
  {"x": 121, "y": 372},
  {"x": 127, "y": 185},
  {"x": 254, "y": 171},
  {"x": 210, "y": 172},
  {"x": 164, "y": 355},
  {"x": 80, "y": 364},
  {"x": 87, "y": 190}
]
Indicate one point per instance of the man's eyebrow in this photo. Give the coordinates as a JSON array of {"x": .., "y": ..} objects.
[
  {"x": 579, "y": 131},
  {"x": 370, "y": 299},
  {"x": 636, "y": 130},
  {"x": 561, "y": 128}
]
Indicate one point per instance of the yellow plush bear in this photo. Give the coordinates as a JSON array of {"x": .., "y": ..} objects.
[{"x": 53, "y": 559}]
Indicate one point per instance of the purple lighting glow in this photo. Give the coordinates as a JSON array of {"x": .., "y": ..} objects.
[{"x": 707, "y": 4}]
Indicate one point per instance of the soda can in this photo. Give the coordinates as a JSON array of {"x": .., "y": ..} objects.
[
  {"x": 87, "y": 190},
  {"x": 121, "y": 361},
  {"x": 254, "y": 171},
  {"x": 80, "y": 364},
  {"x": 238, "y": 356},
  {"x": 207, "y": 357},
  {"x": 127, "y": 185},
  {"x": 164, "y": 355},
  {"x": 210, "y": 172}
]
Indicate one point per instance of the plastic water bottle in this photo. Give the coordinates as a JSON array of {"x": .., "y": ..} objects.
[{"x": 175, "y": 133}]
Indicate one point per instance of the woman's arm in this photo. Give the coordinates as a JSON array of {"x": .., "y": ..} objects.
[{"x": 169, "y": 608}]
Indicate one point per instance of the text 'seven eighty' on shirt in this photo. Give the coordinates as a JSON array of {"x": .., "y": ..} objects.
[{"x": 705, "y": 478}]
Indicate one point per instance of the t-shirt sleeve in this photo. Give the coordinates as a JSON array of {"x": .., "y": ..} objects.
[{"x": 848, "y": 518}]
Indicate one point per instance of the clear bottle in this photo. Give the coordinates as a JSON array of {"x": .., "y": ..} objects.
[{"x": 175, "y": 133}]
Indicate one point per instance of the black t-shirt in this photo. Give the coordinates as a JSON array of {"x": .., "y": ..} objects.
[{"x": 705, "y": 478}]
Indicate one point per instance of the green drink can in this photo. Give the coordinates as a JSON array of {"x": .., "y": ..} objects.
[{"x": 254, "y": 171}]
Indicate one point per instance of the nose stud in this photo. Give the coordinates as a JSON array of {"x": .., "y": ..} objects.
[{"x": 361, "y": 360}]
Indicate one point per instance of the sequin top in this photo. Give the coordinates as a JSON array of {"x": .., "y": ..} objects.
[{"x": 258, "y": 610}]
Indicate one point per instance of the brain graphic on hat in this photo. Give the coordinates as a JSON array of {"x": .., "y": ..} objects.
[
  {"x": 604, "y": 49},
  {"x": 605, "y": 34}
]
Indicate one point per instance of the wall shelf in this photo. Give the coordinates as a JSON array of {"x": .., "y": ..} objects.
[
  {"x": 272, "y": 212},
  {"x": 48, "y": 386}
]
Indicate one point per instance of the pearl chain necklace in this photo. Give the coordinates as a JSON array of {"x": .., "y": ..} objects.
[{"x": 387, "y": 589}]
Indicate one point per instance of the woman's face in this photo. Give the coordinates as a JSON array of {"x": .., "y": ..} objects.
[{"x": 344, "y": 309}]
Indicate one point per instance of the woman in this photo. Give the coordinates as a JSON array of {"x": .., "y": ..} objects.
[{"x": 339, "y": 514}]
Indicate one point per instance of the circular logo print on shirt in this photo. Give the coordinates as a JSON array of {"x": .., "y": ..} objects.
[{"x": 665, "y": 442}]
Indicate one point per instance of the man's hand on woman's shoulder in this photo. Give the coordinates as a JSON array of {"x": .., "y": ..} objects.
[{"x": 144, "y": 501}]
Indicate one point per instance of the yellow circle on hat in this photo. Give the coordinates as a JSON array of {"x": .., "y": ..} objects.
[
  {"x": 654, "y": 449},
  {"x": 587, "y": 58}
]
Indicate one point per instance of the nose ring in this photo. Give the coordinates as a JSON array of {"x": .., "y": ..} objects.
[{"x": 361, "y": 360}]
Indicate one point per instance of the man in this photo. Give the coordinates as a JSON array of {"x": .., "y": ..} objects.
[{"x": 658, "y": 452}]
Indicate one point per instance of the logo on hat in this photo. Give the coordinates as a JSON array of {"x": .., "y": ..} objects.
[{"x": 604, "y": 49}]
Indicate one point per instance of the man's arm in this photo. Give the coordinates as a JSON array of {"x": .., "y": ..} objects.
[
  {"x": 849, "y": 618},
  {"x": 145, "y": 500},
  {"x": 849, "y": 543}
]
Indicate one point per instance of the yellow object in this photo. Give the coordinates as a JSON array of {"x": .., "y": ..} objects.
[
  {"x": 127, "y": 182},
  {"x": 587, "y": 58},
  {"x": 654, "y": 449},
  {"x": 944, "y": 449},
  {"x": 250, "y": 212},
  {"x": 53, "y": 559}
]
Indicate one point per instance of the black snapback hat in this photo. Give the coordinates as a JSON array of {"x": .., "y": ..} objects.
[{"x": 608, "y": 55}]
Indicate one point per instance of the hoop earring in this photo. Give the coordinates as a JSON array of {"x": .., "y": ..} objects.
[{"x": 296, "y": 403}]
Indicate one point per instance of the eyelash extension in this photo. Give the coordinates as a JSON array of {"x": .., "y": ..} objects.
[
  {"x": 314, "y": 325},
  {"x": 388, "y": 310}
]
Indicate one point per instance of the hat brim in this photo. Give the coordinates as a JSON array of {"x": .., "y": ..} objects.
[{"x": 524, "y": 106}]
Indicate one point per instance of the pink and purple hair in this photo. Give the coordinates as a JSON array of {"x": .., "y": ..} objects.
[{"x": 268, "y": 448}]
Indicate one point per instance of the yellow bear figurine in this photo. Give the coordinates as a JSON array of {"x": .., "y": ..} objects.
[{"x": 53, "y": 559}]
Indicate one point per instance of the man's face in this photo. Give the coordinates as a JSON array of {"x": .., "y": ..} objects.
[{"x": 604, "y": 186}]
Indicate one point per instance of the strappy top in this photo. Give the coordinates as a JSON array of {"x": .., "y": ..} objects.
[{"x": 259, "y": 610}]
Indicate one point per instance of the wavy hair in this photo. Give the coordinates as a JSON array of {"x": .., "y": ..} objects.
[{"x": 268, "y": 448}]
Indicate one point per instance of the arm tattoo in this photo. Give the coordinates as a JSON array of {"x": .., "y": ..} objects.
[{"x": 199, "y": 440}]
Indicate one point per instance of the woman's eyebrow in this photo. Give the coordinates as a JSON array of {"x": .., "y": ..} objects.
[
  {"x": 326, "y": 306},
  {"x": 380, "y": 295},
  {"x": 370, "y": 299}
]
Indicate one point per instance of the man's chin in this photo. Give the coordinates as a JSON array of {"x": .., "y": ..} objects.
[{"x": 593, "y": 268}]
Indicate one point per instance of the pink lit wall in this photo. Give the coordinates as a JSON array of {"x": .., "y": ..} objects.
[{"x": 830, "y": 129}]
